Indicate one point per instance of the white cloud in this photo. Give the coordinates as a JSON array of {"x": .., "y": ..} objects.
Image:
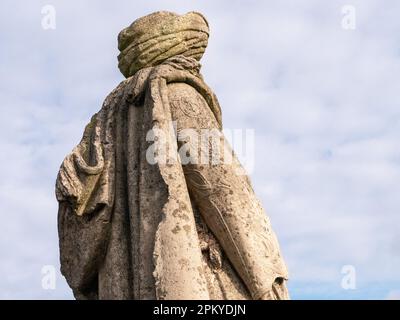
[{"x": 393, "y": 295}]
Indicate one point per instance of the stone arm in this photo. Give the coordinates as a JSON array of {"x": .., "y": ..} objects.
[
  {"x": 223, "y": 193},
  {"x": 83, "y": 215}
]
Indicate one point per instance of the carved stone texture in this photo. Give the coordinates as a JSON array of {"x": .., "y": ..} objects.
[{"x": 140, "y": 225}]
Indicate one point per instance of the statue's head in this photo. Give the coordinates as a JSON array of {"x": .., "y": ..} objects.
[{"x": 154, "y": 38}]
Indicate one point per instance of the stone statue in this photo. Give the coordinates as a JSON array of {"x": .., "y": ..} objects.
[{"x": 135, "y": 221}]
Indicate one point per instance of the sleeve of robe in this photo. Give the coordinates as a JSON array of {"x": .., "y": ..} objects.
[
  {"x": 225, "y": 196},
  {"x": 83, "y": 214}
]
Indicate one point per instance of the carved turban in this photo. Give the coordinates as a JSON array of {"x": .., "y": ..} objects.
[{"x": 154, "y": 38}]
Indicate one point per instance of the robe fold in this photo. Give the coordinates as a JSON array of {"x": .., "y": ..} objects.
[{"x": 134, "y": 227}]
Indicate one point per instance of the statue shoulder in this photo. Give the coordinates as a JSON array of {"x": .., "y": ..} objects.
[
  {"x": 182, "y": 90},
  {"x": 187, "y": 101},
  {"x": 189, "y": 107}
]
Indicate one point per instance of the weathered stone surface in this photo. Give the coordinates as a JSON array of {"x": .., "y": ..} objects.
[
  {"x": 134, "y": 228},
  {"x": 154, "y": 38}
]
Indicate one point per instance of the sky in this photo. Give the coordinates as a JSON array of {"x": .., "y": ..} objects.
[{"x": 317, "y": 81}]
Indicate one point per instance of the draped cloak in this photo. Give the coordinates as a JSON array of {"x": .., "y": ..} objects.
[{"x": 130, "y": 228}]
